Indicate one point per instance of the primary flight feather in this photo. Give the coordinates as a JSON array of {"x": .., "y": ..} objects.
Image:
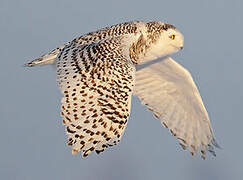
[{"x": 97, "y": 76}]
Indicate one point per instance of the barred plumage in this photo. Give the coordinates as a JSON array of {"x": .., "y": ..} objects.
[{"x": 96, "y": 73}]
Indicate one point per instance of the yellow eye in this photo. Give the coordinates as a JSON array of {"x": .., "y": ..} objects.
[{"x": 172, "y": 36}]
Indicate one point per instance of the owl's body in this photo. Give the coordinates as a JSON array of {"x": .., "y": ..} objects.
[{"x": 97, "y": 76}]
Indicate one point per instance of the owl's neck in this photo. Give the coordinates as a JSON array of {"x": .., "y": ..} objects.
[{"x": 146, "y": 49}]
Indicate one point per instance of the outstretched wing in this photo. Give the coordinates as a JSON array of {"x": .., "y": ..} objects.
[
  {"x": 97, "y": 82},
  {"x": 169, "y": 92}
]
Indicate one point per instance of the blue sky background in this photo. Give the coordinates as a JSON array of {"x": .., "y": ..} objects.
[{"x": 31, "y": 133}]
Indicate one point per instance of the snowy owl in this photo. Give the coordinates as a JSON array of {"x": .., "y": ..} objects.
[{"x": 99, "y": 72}]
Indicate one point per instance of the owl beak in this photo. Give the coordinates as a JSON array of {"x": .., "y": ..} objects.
[{"x": 181, "y": 47}]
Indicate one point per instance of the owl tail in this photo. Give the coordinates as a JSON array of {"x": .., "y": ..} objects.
[{"x": 46, "y": 59}]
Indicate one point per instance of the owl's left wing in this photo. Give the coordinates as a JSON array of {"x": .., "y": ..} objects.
[
  {"x": 97, "y": 82},
  {"x": 169, "y": 92}
]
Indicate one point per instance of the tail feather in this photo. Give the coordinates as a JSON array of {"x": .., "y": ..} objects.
[{"x": 46, "y": 59}]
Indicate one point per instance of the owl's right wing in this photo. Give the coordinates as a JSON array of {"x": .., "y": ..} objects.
[
  {"x": 169, "y": 92},
  {"x": 97, "y": 83}
]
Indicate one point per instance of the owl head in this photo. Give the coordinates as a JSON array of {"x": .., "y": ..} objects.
[{"x": 158, "y": 40}]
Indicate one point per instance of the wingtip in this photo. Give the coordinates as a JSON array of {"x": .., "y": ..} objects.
[
  {"x": 74, "y": 151},
  {"x": 214, "y": 142}
]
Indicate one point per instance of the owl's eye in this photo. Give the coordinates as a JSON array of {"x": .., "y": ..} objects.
[{"x": 172, "y": 36}]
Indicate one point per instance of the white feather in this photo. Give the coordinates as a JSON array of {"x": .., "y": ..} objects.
[{"x": 170, "y": 92}]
